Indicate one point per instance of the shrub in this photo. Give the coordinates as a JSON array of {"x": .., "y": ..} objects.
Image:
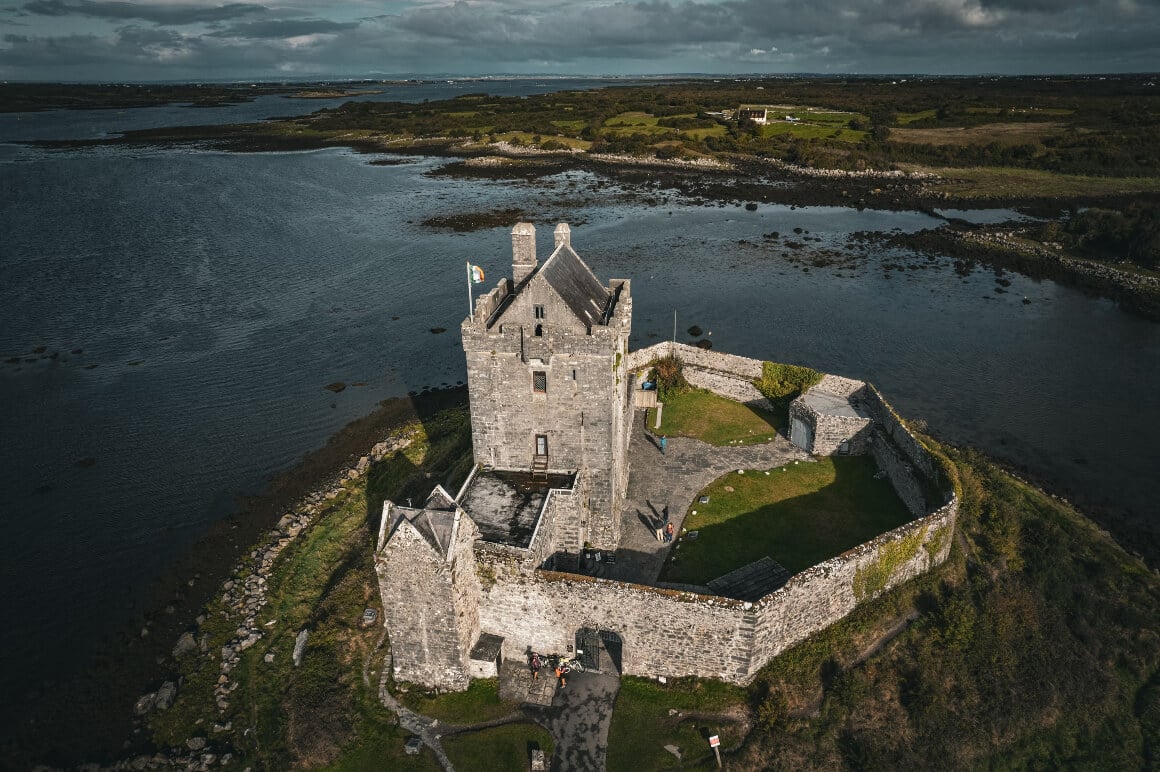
[
  {"x": 670, "y": 377},
  {"x": 781, "y": 383}
]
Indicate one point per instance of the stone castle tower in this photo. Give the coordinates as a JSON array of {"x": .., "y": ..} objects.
[{"x": 547, "y": 379}]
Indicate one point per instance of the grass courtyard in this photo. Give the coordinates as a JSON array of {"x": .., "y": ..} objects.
[
  {"x": 500, "y": 748},
  {"x": 642, "y": 725},
  {"x": 799, "y": 515},
  {"x": 715, "y": 420}
]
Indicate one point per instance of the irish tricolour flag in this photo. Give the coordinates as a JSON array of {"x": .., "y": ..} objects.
[{"x": 475, "y": 273}]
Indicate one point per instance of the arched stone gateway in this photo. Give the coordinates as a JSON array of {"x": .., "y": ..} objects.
[{"x": 600, "y": 650}]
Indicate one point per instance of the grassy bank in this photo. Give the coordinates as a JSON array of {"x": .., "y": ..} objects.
[
  {"x": 1037, "y": 646},
  {"x": 323, "y": 713}
]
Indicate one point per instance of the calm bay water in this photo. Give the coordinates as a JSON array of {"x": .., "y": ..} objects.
[{"x": 217, "y": 294}]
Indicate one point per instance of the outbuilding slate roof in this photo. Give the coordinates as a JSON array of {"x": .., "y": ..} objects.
[{"x": 576, "y": 285}]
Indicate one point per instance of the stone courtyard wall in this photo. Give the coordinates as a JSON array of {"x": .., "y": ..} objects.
[
  {"x": 665, "y": 632},
  {"x": 823, "y": 594},
  {"x": 692, "y": 356},
  {"x": 673, "y": 633}
]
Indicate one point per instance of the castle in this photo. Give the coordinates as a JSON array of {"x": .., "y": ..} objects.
[{"x": 506, "y": 563}]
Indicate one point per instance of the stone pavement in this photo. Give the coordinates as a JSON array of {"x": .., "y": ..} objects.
[
  {"x": 657, "y": 482},
  {"x": 516, "y": 683},
  {"x": 578, "y": 719}
]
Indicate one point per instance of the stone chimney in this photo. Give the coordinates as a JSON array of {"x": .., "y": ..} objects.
[
  {"x": 523, "y": 251},
  {"x": 563, "y": 235}
]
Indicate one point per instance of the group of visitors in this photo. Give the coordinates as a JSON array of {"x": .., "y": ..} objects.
[{"x": 555, "y": 661}]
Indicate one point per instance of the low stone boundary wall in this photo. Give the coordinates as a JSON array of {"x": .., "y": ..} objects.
[
  {"x": 728, "y": 386},
  {"x": 821, "y": 595},
  {"x": 742, "y": 367},
  {"x": 664, "y": 632},
  {"x": 899, "y": 472},
  {"x": 674, "y": 632}
]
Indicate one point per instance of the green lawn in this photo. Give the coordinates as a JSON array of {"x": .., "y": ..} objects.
[
  {"x": 641, "y": 724},
  {"x": 807, "y": 130},
  {"x": 480, "y": 702},
  {"x": 498, "y": 749},
  {"x": 715, "y": 420},
  {"x": 715, "y": 131},
  {"x": 799, "y": 515}
]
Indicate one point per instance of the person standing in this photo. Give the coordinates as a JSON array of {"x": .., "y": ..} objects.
[
  {"x": 535, "y": 665},
  {"x": 669, "y": 530},
  {"x": 664, "y": 442},
  {"x": 561, "y": 674}
]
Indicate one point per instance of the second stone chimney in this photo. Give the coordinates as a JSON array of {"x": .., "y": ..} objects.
[
  {"x": 523, "y": 251},
  {"x": 563, "y": 235}
]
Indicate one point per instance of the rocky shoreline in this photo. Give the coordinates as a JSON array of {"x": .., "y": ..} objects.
[
  {"x": 243, "y": 597},
  {"x": 1136, "y": 293},
  {"x": 96, "y": 716}
]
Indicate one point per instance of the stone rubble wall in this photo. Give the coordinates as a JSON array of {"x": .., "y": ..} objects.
[
  {"x": 899, "y": 472},
  {"x": 673, "y": 633},
  {"x": 692, "y": 356},
  {"x": 823, "y": 594},
  {"x": 665, "y": 632},
  {"x": 839, "y": 386},
  {"x": 727, "y": 386},
  {"x": 727, "y": 375},
  {"x": 891, "y": 424}
]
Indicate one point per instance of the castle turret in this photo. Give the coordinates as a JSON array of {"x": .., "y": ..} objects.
[
  {"x": 430, "y": 591},
  {"x": 547, "y": 380}
]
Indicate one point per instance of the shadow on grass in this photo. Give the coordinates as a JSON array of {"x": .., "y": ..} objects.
[{"x": 737, "y": 527}]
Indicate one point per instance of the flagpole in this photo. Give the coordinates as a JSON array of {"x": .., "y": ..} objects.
[{"x": 469, "y": 290}]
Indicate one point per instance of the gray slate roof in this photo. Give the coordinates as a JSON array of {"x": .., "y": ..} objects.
[
  {"x": 434, "y": 525},
  {"x": 752, "y": 582},
  {"x": 576, "y": 284}
]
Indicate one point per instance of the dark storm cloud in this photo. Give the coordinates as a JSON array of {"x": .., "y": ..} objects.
[
  {"x": 283, "y": 28},
  {"x": 158, "y": 13},
  {"x": 598, "y": 36}
]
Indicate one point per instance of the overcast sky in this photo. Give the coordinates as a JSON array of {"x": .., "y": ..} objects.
[{"x": 204, "y": 40}]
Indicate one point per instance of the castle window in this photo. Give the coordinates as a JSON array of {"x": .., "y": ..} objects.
[
  {"x": 573, "y": 375},
  {"x": 540, "y": 382},
  {"x": 539, "y": 331},
  {"x": 539, "y": 312},
  {"x": 541, "y": 444},
  {"x": 844, "y": 448}
]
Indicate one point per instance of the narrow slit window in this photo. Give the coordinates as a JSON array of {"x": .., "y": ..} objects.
[
  {"x": 540, "y": 382},
  {"x": 539, "y": 312}
]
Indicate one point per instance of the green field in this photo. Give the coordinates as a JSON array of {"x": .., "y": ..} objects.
[
  {"x": 715, "y": 420},
  {"x": 807, "y": 130},
  {"x": 641, "y": 724},
  {"x": 504, "y": 748},
  {"x": 799, "y": 515}
]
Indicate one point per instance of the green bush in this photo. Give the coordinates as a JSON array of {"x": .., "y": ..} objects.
[
  {"x": 669, "y": 376},
  {"x": 781, "y": 383}
]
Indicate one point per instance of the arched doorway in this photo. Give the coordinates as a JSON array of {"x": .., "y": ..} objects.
[{"x": 600, "y": 650}]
